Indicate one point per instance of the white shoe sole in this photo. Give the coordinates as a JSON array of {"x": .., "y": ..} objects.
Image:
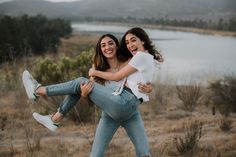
[
  {"x": 28, "y": 90},
  {"x": 39, "y": 118}
]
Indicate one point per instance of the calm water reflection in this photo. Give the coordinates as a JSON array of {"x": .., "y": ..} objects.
[{"x": 187, "y": 55}]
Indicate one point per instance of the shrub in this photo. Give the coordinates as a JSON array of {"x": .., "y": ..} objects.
[
  {"x": 187, "y": 144},
  {"x": 226, "y": 124},
  {"x": 224, "y": 94},
  {"x": 48, "y": 71},
  {"x": 189, "y": 95}
]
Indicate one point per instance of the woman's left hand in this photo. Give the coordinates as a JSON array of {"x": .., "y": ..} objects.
[{"x": 145, "y": 88}]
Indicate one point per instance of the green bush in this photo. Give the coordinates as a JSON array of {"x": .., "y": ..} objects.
[{"x": 51, "y": 71}]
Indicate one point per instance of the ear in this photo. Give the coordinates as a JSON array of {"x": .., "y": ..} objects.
[{"x": 143, "y": 42}]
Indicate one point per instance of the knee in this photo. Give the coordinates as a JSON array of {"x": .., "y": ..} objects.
[
  {"x": 80, "y": 79},
  {"x": 77, "y": 83}
]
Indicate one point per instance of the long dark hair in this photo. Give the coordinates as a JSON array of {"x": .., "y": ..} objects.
[
  {"x": 143, "y": 36},
  {"x": 100, "y": 61}
]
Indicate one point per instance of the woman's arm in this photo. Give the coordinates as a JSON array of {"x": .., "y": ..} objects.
[{"x": 124, "y": 72}]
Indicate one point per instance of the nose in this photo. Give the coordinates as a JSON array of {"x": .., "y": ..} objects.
[
  {"x": 107, "y": 46},
  {"x": 129, "y": 45}
]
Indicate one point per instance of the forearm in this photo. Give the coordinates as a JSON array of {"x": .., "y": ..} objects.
[
  {"x": 124, "y": 72},
  {"x": 108, "y": 75}
]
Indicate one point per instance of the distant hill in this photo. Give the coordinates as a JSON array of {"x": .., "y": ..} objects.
[{"x": 179, "y": 9}]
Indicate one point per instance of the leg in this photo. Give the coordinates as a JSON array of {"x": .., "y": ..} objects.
[
  {"x": 136, "y": 132},
  {"x": 71, "y": 101},
  {"x": 115, "y": 106},
  {"x": 104, "y": 133},
  {"x": 52, "y": 122}
]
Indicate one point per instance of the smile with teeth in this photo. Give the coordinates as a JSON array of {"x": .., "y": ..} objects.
[
  {"x": 134, "y": 50},
  {"x": 108, "y": 52}
]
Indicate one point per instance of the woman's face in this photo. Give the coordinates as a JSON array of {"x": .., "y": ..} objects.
[
  {"x": 133, "y": 43},
  {"x": 108, "y": 47}
]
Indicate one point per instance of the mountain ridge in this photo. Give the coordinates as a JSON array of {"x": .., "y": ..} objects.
[{"x": 178, "y": 9}]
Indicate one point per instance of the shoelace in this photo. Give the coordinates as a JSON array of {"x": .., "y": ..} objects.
[{"x": 36, "y": 85}]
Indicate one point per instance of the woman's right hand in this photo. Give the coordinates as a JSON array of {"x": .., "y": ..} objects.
[
  {"x": 92, "y": 71},
  {"x": 86, "y": 88},
  {"x": 145, "y": 88}
]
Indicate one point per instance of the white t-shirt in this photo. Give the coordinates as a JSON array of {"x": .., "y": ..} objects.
[{"x": 147, "y": 68}]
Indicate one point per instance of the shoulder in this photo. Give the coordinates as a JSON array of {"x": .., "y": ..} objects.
[{"x": 122, "y": 64}]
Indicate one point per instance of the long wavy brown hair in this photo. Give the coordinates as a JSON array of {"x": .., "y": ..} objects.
[{"x": 100, "y": 61}]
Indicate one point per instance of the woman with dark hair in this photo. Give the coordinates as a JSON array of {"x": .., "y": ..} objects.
[{"x": 120, "y": 105}]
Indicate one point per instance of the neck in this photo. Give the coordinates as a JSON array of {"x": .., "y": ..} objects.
[{"x": 114, "y": 64}]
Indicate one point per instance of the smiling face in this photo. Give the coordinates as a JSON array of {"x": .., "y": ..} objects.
[
  {"x": 108, "y": 47},
  {"x": 133, "y": 43}
]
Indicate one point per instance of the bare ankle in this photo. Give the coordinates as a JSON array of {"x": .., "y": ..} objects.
[
  {"x": 57, "y": 117},
  {"x": 41, "y": 91}
]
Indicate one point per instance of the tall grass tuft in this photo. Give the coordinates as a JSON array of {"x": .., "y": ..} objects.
[
  {"x": 187, "y": 144},
  {"x": 224, "y": 94},
  {"x": 225, "y": 124}
]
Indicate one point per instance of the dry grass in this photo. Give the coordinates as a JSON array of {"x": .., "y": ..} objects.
[{"x": 21, "y": 136}]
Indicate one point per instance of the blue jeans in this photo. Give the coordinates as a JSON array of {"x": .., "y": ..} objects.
[
  {"x": 107, "y": 127},
  {"x": 119, "y": 108}
]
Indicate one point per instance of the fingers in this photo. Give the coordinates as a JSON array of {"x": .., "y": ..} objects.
[
  {"x": 93, "y": 66},
  {"x": 87, "y": 84},
  {"x": 91, "y": 71},
  {"x": 86, "y": 88},
  {"x": 145, "y": 88}
]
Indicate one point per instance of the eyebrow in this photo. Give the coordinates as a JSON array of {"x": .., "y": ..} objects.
[
  {"x": 105, "y": 43},
  {"x": 131, "y": 38}
]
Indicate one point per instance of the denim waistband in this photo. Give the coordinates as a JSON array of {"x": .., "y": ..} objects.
[{"x": 129, "y": 90}]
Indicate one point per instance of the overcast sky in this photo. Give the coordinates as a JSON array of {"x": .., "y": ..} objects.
[
  {"x": 62, "y": 0},
  {"x": 1, "y": 1}
]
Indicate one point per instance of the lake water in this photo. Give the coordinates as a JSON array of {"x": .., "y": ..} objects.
[{"x": 188, "y": 56}]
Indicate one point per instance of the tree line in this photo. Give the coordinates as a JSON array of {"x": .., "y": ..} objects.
[
  {"x": 221, "y": 24},
  {"x": 30, "y": 34}
]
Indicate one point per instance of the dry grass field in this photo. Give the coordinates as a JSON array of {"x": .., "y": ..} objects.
[{"x": 172, "y": 130}]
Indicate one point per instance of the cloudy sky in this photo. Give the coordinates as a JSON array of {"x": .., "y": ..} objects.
[
  {"x": 62, "y": 0},
  {"x": 1, "y": 1}
]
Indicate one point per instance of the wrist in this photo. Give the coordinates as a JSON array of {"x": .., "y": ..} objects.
[
  {"x": 96, "y": 73},
  {"x": 83, "y": 96}
]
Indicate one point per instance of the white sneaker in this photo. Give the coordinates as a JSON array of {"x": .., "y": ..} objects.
[
  {"x": 30, "y": 85},
  {"x": 46, "y": 121}
]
